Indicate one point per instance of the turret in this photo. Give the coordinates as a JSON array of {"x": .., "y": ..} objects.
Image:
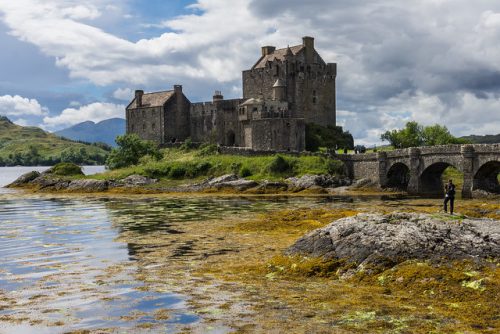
[
  {"x": 279, "y": 89},
  {"x": 217, "y": 96}
]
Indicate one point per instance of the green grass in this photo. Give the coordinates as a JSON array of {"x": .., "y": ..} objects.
[
  {"x": 177, "y": 164},
  {"x": 31, "y": 146}
]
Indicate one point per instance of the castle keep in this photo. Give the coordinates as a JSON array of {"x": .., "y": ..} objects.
[{"x": 284, "y": 90}]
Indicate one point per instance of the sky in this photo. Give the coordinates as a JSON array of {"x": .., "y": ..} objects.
[{"x": 63, "y": 62}]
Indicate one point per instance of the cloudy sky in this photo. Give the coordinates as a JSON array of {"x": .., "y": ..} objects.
[{"x": 434, "y": 61}]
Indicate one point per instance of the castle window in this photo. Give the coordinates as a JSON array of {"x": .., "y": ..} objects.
[
  {"x": 276, "y": 70},
  {"x": 153, "y": 126},
  {"x": 143, "y": 127},
  {"x": 143, "y": 113}
]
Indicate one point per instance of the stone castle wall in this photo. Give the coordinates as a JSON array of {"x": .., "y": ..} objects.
[{"x": 147, "y": 123}]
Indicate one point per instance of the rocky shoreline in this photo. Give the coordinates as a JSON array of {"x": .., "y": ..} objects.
[
  {"x": 383, "y": 241},
  {"x": 48, "y": 182}
]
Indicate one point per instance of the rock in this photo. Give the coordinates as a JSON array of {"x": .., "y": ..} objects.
[
  {"x": 385, "y": 240},
  {"x": 220, "y": 179},
  {"x": 271, "y": 186},
  {"x": 364, "y": 183},
  {"x": 137, "y": 180},
  {"x": 479, "y": 193},
  {"x": 240, "y": 184},
  {"x": 309, "y": 181},
  {"x": 88, "y": 185},
  {"x": 25, "y": 179},
  {"x": 45, "y": 181}
]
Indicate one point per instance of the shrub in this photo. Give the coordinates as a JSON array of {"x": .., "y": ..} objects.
[
  {"x": 207, "y": 149},
  {"x": 245, "y": 171},
  {"x": 177, "y": 172},
  {"x": 187, "y": 145},
  {"x": 203, "y": 167},
  {"x": 130, "y": 149},
  {"x": 279, "y": 165},
  {"x": 66, "y": 169},
  {"x": 335, "y": 167}
]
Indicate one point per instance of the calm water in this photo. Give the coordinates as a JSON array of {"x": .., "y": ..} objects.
[{"x": 74, "y": 262}]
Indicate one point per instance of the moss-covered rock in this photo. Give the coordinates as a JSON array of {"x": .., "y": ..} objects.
[
  {"x": 65, "y": 169},
  {"x": 386, "y": 240}
]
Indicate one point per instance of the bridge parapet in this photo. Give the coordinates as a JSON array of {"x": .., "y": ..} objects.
[{"x": 480, "y": 164}]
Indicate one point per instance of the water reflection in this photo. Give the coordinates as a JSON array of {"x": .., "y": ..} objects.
[{"x": 103, "y": 263}]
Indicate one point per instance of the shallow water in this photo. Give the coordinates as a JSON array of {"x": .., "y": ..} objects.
[
  {"x": 68, "y": 262},
  {"x": 124, "y": 263}
]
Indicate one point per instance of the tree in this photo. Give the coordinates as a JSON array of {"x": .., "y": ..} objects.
[
  {"x": 130, "y": 149},
  {"x": 414, "y": 135},
  {"x": 329, "y": 136}
]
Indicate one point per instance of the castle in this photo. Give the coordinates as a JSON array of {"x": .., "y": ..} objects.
[{"x": 284, "y": 90}]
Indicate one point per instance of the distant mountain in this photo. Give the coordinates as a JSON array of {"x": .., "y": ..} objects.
[
  {"x": 29, "y": 146},
  {"x": 104, "y": 131},
  {"x": 487, "y": 139}
]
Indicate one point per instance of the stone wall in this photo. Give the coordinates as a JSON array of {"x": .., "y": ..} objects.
[
  {"x": 147, "y": 123},
  {"x": 176, "y": 120},
  {"x": 203, "y": 122},
  {"x": 276, "y": 134}
]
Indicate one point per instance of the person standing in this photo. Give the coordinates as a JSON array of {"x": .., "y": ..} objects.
[{"x": 449, "y": 196}]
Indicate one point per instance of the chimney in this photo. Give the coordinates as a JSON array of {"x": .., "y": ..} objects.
[
  {"x": 178, "y": 89},
  {"x": 218, "y": 96},
  {"x": 138, "y": 98},
  {"x": 179, "y": 97},
  {"x": 308, "y": 43},
  {"x": 267, "y": 50}
]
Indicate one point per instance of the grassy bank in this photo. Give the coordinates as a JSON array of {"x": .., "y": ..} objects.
[
  {"x": 178, "y": 164},
  {"x": 31, "y": 146}
]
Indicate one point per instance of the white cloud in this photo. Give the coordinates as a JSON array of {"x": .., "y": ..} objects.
[
  {"x": 95, "y": 112},
  {"x": 21, "y": 122},
  {"x": 125, "y": 94},
  {"x": 432, "y": 61},
  {"x": 20, "y": 106}
]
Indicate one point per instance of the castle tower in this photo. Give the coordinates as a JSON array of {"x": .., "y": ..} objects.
[{"x": 279, "y": 91}]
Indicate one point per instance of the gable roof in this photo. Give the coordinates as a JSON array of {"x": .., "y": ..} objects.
[
  {"x": 277, "y": 54},
  {"x": 155, "y": 99}
]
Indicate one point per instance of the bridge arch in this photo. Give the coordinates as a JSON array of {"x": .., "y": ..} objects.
[
  {"x": 398, "y": 176},
  {"x": 431, "y": 178},
  {"x": 486, "y": 177}
]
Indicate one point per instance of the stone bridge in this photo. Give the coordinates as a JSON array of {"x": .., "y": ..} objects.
[{"x": 419, "y": 170}]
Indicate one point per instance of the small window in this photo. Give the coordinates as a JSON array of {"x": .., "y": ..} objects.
[
  {"x": 143, "y": 113},
  {"x": 314, "y": 99},
  {"x": 153, "y": 126},
  {"x": 143, "y": 127}
]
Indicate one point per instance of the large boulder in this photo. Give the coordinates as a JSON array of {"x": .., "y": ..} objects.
[
  {"x": 313, "y": 181},
  {"x": 25, "y": 179},
  {"x": 374, "y": 239},
  {"x": 136, "y": 180},
  {"x": 220, "y": 179},
  {"x": 239, "y": 184},
  {"x": 88, "y": 185}
]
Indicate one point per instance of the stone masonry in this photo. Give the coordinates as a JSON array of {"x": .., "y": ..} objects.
[
  {"x": 285, "y": 89},
  {"x": 419, "y": 170}
]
